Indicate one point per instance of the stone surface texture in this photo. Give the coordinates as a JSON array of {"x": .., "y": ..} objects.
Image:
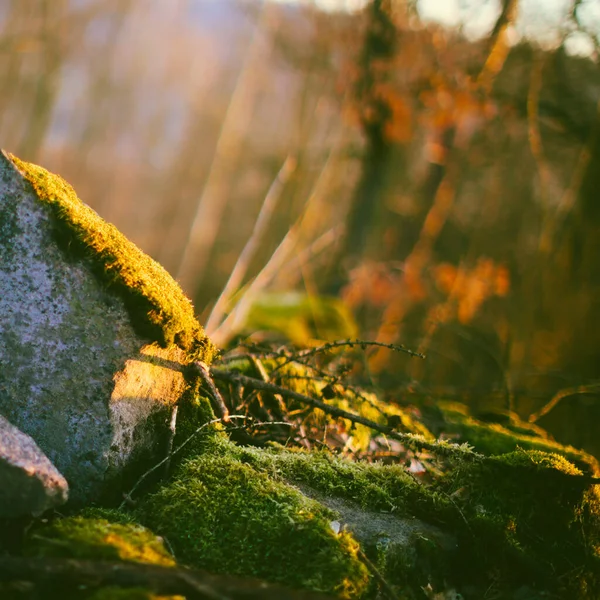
[
  {"x": 29, "y": 482},
  {"x": 75, "y": 374}
]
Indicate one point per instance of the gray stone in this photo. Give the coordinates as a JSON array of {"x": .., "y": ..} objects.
[
  {"x": 76, "y": 374},
  {"x": 375, "y": 528},
  {"x": 29, "y": 483}
]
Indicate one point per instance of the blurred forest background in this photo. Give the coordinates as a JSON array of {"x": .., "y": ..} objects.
[{"x": 415, "y": 172}]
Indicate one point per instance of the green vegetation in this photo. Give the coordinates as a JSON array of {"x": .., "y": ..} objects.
[
  {"x": 531, "y": 518},
  {"x": 496, "y": 438},
  {"x": 229, "y": 517},
  {"x": 523, "y": 515},
  {"x": 94, "y": 537},
  {"x": 519, "y": 519},
  {"x": 304, "y": 380},
  {"x": 157, "y": 306},
  {"x": 300, "y": 318},
  {"x": 372, "y": 486}
]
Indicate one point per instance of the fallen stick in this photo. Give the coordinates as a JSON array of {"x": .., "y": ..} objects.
[{"x": 442, "y": 447}]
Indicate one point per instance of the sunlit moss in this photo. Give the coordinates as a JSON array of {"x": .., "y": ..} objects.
[
  {"x": 158, "y": 307},
  {"x": 371, "y": 486},
  {"x": 98, "y": 538},
  {"x": 496, "y": 438}
]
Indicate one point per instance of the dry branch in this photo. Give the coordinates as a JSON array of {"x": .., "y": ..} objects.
[
  {"x": 247, "y": 254},
  {"x": 410, "y": 440},
  {"x": 593, "y": 388},
  {"x": 218, "y": 403}
]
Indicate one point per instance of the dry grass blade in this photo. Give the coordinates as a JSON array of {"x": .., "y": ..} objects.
[{"x": 260, "y": 228}]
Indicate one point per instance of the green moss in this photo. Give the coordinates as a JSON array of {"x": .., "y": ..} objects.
[
  {"x": 530, "y": 517},
  {"x": 375, "y": 487},
  {"x": 98, "y": 538},
  {"x": 158, "y": 307},
  {"x": 524, "y": 514},
  {"x": 194, "y": 413},
  {"x": 224, "y": 515},
  {"x": 497, "y": 439}
]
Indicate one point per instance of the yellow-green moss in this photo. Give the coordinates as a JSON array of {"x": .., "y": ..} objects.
[
  {"x": 375, "y": 487},
  {"x": 101, "y": 534},
  {"x": 97, "y": 538},
  {"x": 497, "y": 439},
  {"x": 158, "y": 307},
  {"x": 525, "y": 515},
  {"x": 226, "y": 516}
]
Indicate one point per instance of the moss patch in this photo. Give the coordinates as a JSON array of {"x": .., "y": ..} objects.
[
  {"x": 497, "y": 439},
  {"x": 519, "y": 518},
  {"x": 226, "y": 516},
  {"x": 375, "y": 487},
  {"x": 98, "y": 538},
  {"x": 531, "y": 518},
  {"x": 157, "y": 306}
]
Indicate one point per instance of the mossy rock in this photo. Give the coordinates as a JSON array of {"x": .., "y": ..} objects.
[
  {"x": 99, "y": 535},
  {"x": 517, "y": 520},
  {"x": 157, "y": 305},
  {"x": 533, "y": 517},
  {"x": 96, "y": 335},
  {"x": 222, "y": 514},
  {"x": 508, "y": 435}
]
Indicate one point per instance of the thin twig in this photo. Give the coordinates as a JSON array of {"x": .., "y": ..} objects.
[
  {"x": 498, "y": 47},
  {"x": 274, "y": 265},
  {"x": 214, "y": 197},
  {"x": 219, "y": 405},
  {"x": 304, "y": 354},
  {"x": 385, "y": 586},
  {"x": 362, "y": 343}
]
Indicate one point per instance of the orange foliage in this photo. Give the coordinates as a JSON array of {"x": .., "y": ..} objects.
[{"x": 471, "y": 287}]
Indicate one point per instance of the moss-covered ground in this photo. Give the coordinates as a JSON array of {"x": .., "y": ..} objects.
[
  {"x": 525, "y": 523},
  {"x": 305, "y": 380}
]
